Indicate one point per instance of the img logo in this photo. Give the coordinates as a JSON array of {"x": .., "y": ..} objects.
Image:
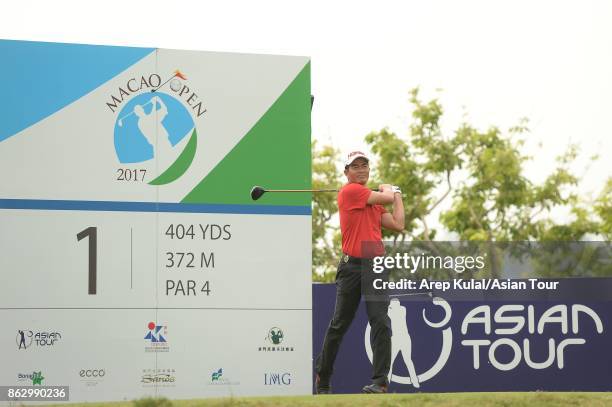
[
  {"x": 278, "y": 379},
  {"x": 155, "y": 126}
]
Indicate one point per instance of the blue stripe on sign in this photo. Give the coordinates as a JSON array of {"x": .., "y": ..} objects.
[
  {"x": 112, "y": 206},
  {"x": 40, "y": 78}
]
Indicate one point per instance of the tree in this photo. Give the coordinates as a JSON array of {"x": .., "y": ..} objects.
[
  {"x": 603, "y": 209},
  {"x": 483, "y": 175},
  {"x": 325, "y": 174}
]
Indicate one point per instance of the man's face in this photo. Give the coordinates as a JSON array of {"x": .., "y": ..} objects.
[{"x": 358, "y": 172}]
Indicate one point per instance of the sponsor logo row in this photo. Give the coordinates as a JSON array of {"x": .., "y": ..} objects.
[
  {"x": 158, "y": 378},
  {"x": 156, "y": 339}
]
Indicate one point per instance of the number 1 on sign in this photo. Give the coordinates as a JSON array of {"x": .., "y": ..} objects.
[{"x": 92, "y": 233}]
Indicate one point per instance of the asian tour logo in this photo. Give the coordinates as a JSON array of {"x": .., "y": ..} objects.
[
  {"x": 516, "y": 334},
  {"x": 26, "y": 338},
  {"x": 156, "y": 129}
]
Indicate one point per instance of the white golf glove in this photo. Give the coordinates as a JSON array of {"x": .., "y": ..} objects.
[{"x": 396, "y": 189}]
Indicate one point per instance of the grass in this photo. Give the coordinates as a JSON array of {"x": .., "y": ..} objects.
[{"x": 531, "y": 399}]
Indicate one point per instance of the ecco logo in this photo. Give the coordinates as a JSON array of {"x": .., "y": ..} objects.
[{"x": 92, "y": 373}]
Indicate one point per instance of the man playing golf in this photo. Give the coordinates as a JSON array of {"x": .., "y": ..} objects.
[{"x": 361, "y": 218}]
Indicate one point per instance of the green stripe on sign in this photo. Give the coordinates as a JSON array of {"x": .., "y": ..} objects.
[
  {"x": 274, "y": 154},
  {"x": 181, "y": 164}
]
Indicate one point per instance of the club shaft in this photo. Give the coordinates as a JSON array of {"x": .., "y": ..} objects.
[
  {"x": 301, "y": 190},
  {"x": 306, "y": 190},
  {"x": 405, "y": 295}
]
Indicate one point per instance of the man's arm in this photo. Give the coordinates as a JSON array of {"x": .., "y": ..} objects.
[
  {"x": 395, "y": 221},
  {"x": 384, "y": 197}
]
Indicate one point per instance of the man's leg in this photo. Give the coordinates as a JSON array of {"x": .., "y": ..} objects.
[
  {"x": 377, "y": 306},
  {"x": 348, "y": 295}
]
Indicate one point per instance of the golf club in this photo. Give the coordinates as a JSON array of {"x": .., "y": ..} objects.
[
  {"x": 120, "y": 122},
  {"x": 257, "y": 191}
]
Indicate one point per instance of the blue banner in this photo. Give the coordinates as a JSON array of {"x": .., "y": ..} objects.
[{"x": 451, "y": 343}]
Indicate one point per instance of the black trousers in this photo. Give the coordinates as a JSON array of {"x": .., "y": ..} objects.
[{"x": 352, "y": 280}]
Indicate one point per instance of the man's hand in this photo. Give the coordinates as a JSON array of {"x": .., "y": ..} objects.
[
  {"x": 395, "y": 220},
  {"x": 384, "y": 197}
]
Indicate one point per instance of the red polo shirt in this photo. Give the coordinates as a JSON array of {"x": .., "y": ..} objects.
[{"x": 359, "y": 222}]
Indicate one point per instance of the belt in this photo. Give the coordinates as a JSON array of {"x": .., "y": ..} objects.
[{"x": 355, "y": 260}]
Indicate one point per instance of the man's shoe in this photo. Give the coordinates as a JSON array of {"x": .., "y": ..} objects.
[
  {"x": 321, "y": 388},
  {"x": 375, "y": 388}
]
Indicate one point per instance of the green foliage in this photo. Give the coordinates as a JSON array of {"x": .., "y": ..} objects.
[
  {"x": 325, "y": 174},
  {"x": 576, "y": 259},
  {"x": 603, "y": 209},
  {"x": 481, "y": 172}
]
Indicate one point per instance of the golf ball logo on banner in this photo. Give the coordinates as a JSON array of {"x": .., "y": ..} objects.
[
  {"x": 154, "y": 128},
  {"x": 508, "y": 330}
]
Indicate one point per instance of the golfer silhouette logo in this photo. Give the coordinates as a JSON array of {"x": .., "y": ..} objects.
[
  {"x": 401, "y": 342},
  {"x": 153, "y": 122},
  {"x": 275, "y": 335},
  {"x": 157, "y": 130},
  {"x": 24, "y": 339}
]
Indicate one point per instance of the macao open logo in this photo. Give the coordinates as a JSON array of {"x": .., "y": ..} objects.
[
  {"x": 401, "y": 341},
  {"x": 155, "y": 129}
]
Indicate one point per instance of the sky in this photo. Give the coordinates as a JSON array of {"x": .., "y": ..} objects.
[{"x": 490, "y": 62}]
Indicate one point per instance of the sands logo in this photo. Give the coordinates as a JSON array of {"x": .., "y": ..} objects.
[
  {"x": 158, "y": 377},
  {"x": 155, "y": 129}
]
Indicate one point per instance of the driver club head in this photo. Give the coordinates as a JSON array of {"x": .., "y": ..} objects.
[{"x": 257, "y": 192}]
